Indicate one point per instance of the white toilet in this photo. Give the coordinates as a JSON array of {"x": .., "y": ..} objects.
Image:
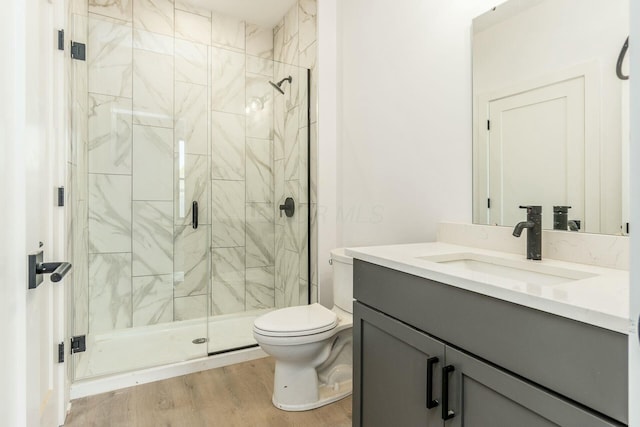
[{"x": 312, "y": 345}]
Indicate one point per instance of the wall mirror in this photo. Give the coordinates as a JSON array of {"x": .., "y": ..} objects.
[{"x": 550, "y": 114}]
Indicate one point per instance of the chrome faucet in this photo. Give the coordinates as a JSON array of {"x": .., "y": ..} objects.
[{"x": 534, "y": 233}]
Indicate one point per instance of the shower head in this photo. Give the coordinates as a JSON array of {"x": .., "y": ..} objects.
[{"x": 278, "y": 86}]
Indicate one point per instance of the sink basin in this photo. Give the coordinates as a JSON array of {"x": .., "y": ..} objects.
[{"x": 530, "y": 272}]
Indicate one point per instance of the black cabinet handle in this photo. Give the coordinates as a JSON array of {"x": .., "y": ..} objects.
[
  {"x": 431, "y": 402},
  {"x": 194, "y": 214},
  {"x": 446, "y": 413}
]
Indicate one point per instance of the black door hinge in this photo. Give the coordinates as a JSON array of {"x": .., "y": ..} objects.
[
  {"x": 488, "y": 124},
  {"x": 627, "y": 226},
  {"x": 78, "y": 344},
  {"x": 60, "y": 39},
  {"x": 488, "y": 203},
  {"x": 78, "y": 51},
  {"x": 61, "y": 352}
]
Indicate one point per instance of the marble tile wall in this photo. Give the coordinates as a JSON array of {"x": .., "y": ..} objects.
[
  {"x": 295, "y": 47},
  {"x": 242, "y": 224},
  {"x": 177, "y": 108}
]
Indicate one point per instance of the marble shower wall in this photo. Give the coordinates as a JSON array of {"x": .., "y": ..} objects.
[
  {"x": 241, "y": 109},
  {"x": 295, "y": 51},
  {"x": 178, "y": 108}
]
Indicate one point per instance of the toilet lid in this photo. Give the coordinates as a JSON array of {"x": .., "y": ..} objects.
[{"x": 296, "y": 321}]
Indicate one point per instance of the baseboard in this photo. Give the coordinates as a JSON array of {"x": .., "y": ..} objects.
[{"x": 90, "y": 387}]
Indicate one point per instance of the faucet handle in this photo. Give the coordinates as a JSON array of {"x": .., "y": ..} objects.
[
  {"x": 534, "y": 209},
  {"x": 561, "y": 209}
]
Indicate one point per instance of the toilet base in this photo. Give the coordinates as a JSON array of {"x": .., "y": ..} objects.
[{"x": 328, "y": 393}]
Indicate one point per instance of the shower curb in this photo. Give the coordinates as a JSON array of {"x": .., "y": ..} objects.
[{"x": 105, "y": 384}]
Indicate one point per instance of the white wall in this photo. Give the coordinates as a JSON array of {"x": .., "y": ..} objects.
[
  {"x": 404, "y": 157},
  {"x": 327, "y": 144},
  {"x": 395, "y": 144},
  {"x": 634, "y": 160}
]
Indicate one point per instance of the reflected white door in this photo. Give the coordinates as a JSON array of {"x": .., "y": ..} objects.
[{"x": 536, "y": 152}]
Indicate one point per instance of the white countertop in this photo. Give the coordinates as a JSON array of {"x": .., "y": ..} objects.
[{"x": 601, "y": 300}]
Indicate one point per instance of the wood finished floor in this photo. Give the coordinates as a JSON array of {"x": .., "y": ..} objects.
[{"x": 237, "y": 395}]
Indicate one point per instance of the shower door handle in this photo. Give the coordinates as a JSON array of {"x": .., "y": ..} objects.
[{"x": 194, "y": 214}]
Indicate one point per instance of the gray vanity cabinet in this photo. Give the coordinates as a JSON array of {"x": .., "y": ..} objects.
[
  {"x": 483, "y": 395},
  {"x": 392, "y": 383},
  {"x": 508, "y": 364},
  {"x": 400, "y": 366}
]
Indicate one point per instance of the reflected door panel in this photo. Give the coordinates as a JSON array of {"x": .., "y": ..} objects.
[{"x": 535, "y": 142}]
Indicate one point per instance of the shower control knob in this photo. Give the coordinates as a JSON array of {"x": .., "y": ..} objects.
[{"x": 289, "y": 207}]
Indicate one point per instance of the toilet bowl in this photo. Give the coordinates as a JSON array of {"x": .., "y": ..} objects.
[{"x": 312, "y": 345}]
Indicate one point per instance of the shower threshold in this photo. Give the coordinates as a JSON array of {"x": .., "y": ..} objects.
[{"x": 133, "y": 349}]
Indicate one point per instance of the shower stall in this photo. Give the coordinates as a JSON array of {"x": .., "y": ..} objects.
[{"x": 190, "y": 130}]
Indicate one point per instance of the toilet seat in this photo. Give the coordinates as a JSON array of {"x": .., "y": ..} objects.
[{"x": 296, "y": 321}]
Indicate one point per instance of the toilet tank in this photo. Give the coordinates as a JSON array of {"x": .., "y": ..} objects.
[{"x": 342, "y": 279}]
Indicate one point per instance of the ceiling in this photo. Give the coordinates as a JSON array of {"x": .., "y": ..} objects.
[{"x": 265, "y": 13}]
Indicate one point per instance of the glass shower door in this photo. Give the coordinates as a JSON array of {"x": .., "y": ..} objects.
[
  {"x": 259, "y": 249},
  {"x": 140, "y": 163},
  {"x": 192, "y": 234}
]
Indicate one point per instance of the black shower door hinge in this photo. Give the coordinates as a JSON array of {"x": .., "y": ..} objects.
[
  {"x": 78, "y": 51},
  {"x": 488, "y": 124},
  {"x": 78, "y": 344},
  {"x": 61, "y": 352}
]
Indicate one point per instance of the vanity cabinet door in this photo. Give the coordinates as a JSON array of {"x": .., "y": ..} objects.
[
  {"x": 394, "y": 367},
  {"x": 482, "y": 395}
]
